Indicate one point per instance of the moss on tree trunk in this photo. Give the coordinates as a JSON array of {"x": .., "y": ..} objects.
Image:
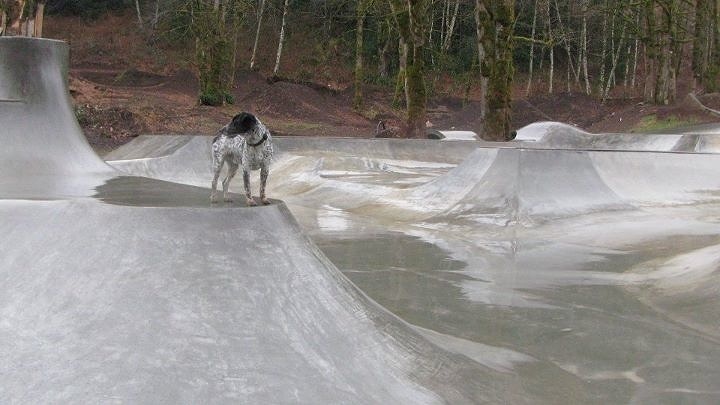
[
  {"x": 412, "y": 18},
  {"x": 495, "y": 21},
  {"x": 416, "y": 94},
  {"x": 213, "y": 52}
]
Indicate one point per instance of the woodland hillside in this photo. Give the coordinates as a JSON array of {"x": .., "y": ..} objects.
[{"x": 337, "y": 67}]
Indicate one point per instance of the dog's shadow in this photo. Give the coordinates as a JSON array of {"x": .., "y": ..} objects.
[{"x": 147, "y": 192}]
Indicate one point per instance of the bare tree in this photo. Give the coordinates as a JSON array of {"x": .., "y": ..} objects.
[
  {"x": 550, "y": 39},
  {"x": 359, "y": 68},
  {"x": 584, "y": 47},
  {"x": 257, "y": 33},
  {"x": 614, "y": 62},
  {"x": 39, "y": 18},
  {"x": 20, "y": 17},
  {"x": 532, "y": 49},
  {"x": 139, "y": 14},
  {"x": 282, "y": 38},
  {"x": 446, "y": 40}
]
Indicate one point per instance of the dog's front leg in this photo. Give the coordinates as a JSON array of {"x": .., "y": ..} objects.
[
  {"x": 264, "y": 172},
  {"x": 246, "y": 182}
]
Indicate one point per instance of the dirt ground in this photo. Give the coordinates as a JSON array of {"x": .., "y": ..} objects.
[{"x": 124, "y": 86}]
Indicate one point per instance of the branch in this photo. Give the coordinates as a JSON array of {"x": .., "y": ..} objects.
[{"x": 533, "y": 40}]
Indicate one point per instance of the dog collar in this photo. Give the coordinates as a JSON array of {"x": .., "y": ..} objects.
[{"x": 264, "y": 138}]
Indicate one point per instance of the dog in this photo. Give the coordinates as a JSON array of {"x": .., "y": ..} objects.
[{"x": 245, "y": 142}]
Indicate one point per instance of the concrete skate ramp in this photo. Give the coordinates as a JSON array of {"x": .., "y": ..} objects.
[
  {"x": 597, "y": 270},
  {"x": 556, "y": 135},
  {"x": 186, "y": 305},
  {"x": 40, "y": 134},
  {"x": 129, "y": 289},
  {"x": 517, "y": 276},
  {"x": 523, "y": 182}
]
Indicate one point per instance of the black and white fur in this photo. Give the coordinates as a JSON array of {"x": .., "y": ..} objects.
[{"x": 243, "y": 142}]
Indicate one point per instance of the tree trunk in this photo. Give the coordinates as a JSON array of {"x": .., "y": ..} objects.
[
  {"x": 213, "y": 54},
  {"x": 635, "y": 59},
  {"x": 532, "y": 50},
  {"x": 415, "y": 91},
  {"x": 400, "y": 93},
  {"x": 701, "y": 41},
  {"x": 235, "y": 33},
  {"x": 451, "y": 28},
  {"x": 550, "y": 39},
  {"x": 633, "y": 55},
  {"x": 3, "y": 22},
  {"x": 39, "y": 19},
  {"x": 713, "y": 84},
  {"x": 16, "y": 18},
  {"x": 156, "y": 17},
  {"x": 29, "y": 27},
  {"x": 358, "y": 98},
  {"x": 412, "y": 22},
  {"x": 664, "y": 83},
  {"x": 496, "y": 20},
  {"x": 704, "y": 65},
  {"x": 384, "y": 56},
  {"x": 603, "y": 52},
  {"x": 282, "y": 38},
  {"x": 584, "y": 47},
  {"x": 566, "y": 42},
  {"x": 139, "y": 15},
  {"x": 257, "y": 33},
  {"x": 650, "y": 45},
  {"x": 614, "y": 63}
]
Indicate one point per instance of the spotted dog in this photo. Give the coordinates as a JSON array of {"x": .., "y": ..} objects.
[{"x": 243, "y": 142}]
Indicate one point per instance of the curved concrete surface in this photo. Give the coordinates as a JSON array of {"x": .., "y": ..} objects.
[
  {"x": 486, "y": 275},
  {"x": 32, "y": 87},
  {"x": 556, "y": 135},
  {"x": 134, "y": 290},
  {"x": 597, "y": 270}
]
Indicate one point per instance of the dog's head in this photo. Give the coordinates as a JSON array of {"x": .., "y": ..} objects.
[{"x": 242, "y": 123}]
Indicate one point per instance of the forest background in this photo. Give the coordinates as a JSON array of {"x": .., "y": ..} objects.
[{"x": 309, "y": 65}]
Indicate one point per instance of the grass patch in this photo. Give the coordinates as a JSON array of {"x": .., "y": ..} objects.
[{"x": 651, "y": 123}]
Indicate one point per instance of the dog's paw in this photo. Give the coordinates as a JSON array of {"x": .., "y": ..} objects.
[
  {"x": 227, "y": 198},
  {"x": 251, "y": 202},
  {"x": 213, "y": 198},
  {"x": 265, "y": 201}
]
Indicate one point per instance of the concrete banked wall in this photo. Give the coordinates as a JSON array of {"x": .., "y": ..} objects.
[{"x": 523, "y": 182}]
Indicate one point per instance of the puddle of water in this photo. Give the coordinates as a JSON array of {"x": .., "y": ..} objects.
[
  {"x": 147, "y": 192},
  {"x": 595, "y": 340}
]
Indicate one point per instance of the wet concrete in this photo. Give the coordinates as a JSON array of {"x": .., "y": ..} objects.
[{"x": 582, "y": 273}]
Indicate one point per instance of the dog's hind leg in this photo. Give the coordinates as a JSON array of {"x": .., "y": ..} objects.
[
  {"x": 264, "y": 172},
  {"x": 232, "y": 169},
  {"x": 217, "y": 167},
  {"x": 246, "y": 182}
]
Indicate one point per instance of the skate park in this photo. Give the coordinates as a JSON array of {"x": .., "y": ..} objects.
[{"x": 562, "y": 267}]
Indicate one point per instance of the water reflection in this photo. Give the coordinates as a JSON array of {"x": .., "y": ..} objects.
[{"x": 147, "y": 192}]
